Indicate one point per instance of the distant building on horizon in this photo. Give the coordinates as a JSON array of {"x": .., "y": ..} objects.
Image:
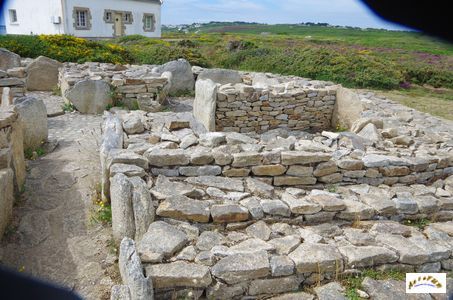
[{"x": 82, "y": 18}]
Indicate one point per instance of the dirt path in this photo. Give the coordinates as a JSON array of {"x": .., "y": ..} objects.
[{"x": 52, "y": 235}]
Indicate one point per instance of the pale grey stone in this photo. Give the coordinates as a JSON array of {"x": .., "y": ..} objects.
[
  {"x": 300, "y": 206},
  {"x": 286, "y": 244},
  {"x": 142, "y": 206},
  {"x": 180, "y": 207},
  {"x": 367, "y": 256},
  {"x": 259, "y": 230},
  {"x": 182, "y": 78},
  {"x": 131, "y": 271},
  {"x": 274, "y": 286},
  {"x": 204, "y": 105},
  {"x": 123, "y": 222},
  {"x": 254, "y": 207},
  {"x": 179, "y": 274},
  {"x": 128, "y": 170},
  {"x": 8, "y": 59},
  {"x": 90, "y": 96},
  {"x": 259, "y": 188},
  {"x": 209, "y": 239},
  {"x": 161, "y": 240},
  {"x": 275, "y": 207},
  {"x": 212, "y": 139},
  {"x": 330, "y": 291},
  {"x": 221, "y": 76},
  {"x": 316, "y": 258},
  {"x": 167, "y": 157},
  {"x": 33, "y": 116},
  {"x": 239, "y": 267},
  {"x": 200, "y": 171},
  {"x": 42, "y": 74},
  {"x": 228, "y": 184},
  {"x": 409, "y": 253},
  {"x": 356, "y": 210},
  {"x": 120, "y": 292},
  {"x": 165, "y": 188},
  {"x": 281, "y": 266},
  {"x": 251, "y": 246}
]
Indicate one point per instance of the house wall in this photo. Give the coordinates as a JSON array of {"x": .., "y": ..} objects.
[
  {"x": 33, "y": 17},
  {"x": 99, "y": 28}
]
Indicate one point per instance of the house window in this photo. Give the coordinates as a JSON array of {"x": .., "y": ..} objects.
[
  {"x": 148, "y": 22},
  {"x": 13, "y": 16},
  {"x": 127, "y": 18},
  {"x": 108, "y": 16},
  {"x": 82, "y": 18}
]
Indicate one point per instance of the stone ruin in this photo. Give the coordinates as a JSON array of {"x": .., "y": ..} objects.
[
  {"x": 248, "y": 190},
  {"x": 251, "y": 193}
]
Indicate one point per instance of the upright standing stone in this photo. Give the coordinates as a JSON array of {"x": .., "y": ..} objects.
[
  {"x": 33, "y": 115},
  {"x": 6, "y": 198},
  {"x": 90, "y": 96},
  {"x": 42, "y": 74},
  {"x": 123, "y": 223},
  {"x": 131, "y": 270},
  {"x": 8, "y": 59},
  {"x": 183, "y": 79},
  {"x": 205, "y": 103}
]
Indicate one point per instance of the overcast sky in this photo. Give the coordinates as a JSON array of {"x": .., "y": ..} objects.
[{"x": 335, "y": 12}]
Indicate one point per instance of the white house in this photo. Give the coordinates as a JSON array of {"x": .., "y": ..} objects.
[{"x": 83, "y": 18}]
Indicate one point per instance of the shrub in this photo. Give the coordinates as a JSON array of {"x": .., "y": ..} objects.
[{"x": 65, "y": 48}]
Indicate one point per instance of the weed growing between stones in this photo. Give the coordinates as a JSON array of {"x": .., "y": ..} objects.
[
  {"x": 352, "y": 283},
  {"x": 339, "y": 128},
  {"x": 56, "y": 91},
  {"x": 186, "y": 93},
  {"x": 33, "y": 154},
  {"x": 420, "y": 223},
  {"x": 102, "y": 212},
  {"x": 68, "y": 107}
]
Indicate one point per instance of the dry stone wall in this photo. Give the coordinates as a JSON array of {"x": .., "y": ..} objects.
[
  {"x": 12, "y": 164},
  {"x": 136, "y": 87},
  {"x": 243, "y": 108}
]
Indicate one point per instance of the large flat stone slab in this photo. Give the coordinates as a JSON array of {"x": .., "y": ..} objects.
[
  {"x": 222, "y": 183},
  {"x": 316, "y": 258},
  {"x": 179, "y": 274},
  {"x": 162, "y": 240},
  {"x": 183, "y": 208},
  {"x": 241, "y": 267}
]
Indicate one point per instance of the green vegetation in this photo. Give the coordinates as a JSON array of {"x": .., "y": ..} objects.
[
  {"x": 437, "y": 102},
  {"x": 33, "y": 154},
  {"x": 102, "y": 212},
  {"x": 68, "y": 107},
  {"x": 354, "y": 282},
  {"x": 65, "y": 48},
  {"x": 370, "y": 58},
  {"x": 56, "y": 91},
  {"x": 420, "y": 223}
]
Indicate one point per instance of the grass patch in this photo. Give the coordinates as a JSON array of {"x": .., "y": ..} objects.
[
  {"x": 354, "y": 282},
  {"x": 437, "y": 102}
]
